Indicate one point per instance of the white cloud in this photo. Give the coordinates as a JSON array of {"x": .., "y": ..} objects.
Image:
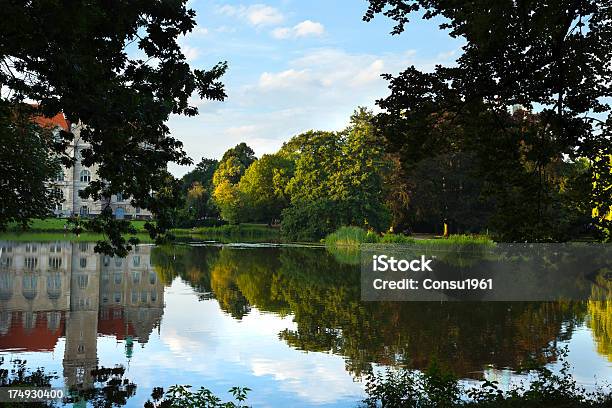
[
  {"x": 257, "y": 14},
  {"x": 281, "y": 33},
  {"x": 308, "y": 27},
  {"x": 284, "y": 79},
  {"x": 317, "y": 90},
  {"x": 304, "y": 29},
  {"x": 191, "y": 53}
]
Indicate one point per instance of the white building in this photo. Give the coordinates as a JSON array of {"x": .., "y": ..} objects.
[{"x": 71, "y": 180}]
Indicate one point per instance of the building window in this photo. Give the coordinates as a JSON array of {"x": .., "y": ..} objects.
[
  {"x": 136, "y": 260},
  {"x": 117, "y": 297},
  {"x": 119, "y": 196},
  {"x": 153, "y": 295},
  {"x": 143, "y": 296},
  {"x": 83, "y": 246},
  {"x": 83, "y": 262},
  {"x": 152, "y": 277},
  {"x": 31, "y": 263},
  {"x": 84, "y": 210},
  {"x": 55, "y": 248},
  {"x": 55, "y": 262},
  {"x": 118, "y": 278},
  {"x": 6, "y": 262},
  {"x": 83, "y": 280},
  {"x": 31, "y": 248},
  {"x": 85, "y": 176},
  {"x": 60, "y": 176},
  {"x": 136, "y": 277},
  {"x": 137, "y": 210}
]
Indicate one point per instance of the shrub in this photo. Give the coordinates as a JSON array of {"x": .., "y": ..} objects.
[
  {"x": 350, "y": 236},
  {"x": 396, "y": 239}
]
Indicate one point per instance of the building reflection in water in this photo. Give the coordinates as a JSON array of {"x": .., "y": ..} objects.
[{"x": 54, "y": 289}]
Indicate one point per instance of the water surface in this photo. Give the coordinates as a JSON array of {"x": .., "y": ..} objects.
[{"x": 285, "y": 321}]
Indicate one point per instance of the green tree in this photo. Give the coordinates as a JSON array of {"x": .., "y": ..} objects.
[
  {"x": 551, "y": 55},
  {"x": 339, "y": 180},
  {"x": 263, "y": 187},
  {"x": 26, "y": 185},
  {"x": 226, "y": 194},
  {"x": 203, "y": 173},
  {"x": 72, "y": 57},
  {"x": 242, "y": 152}
]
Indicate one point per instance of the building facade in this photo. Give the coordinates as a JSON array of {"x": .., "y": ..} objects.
[{"x": 74, "y": 179}]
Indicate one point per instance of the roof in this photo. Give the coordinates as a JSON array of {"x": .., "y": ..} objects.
[{"x": 57, "y": 120}]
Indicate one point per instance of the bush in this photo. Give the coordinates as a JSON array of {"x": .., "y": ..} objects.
[
  {"x": 350, "y": 236},
  {"x": 396, "y": 239},
  {"x": 309, "y": 221}
]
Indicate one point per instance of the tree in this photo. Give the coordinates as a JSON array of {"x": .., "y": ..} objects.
[
  {"x": 551, "y": 55},
  {"x": 226, "y": 195},
  {"x": 338, "y": 180},
  {"x": 203, "y": 173},
  {"x": 73, "y": 57},
  {"x": 242, "y": 152},
  {"x": 26, "y": 189},
  {"x": 263, "y": 187}
]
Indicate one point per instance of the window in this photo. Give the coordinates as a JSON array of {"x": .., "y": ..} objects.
[
  {"x": 153, "y": 295},
  {"x": 152, "y": 277},
  {"x": 134, "y": 297},
  {"x": 136, "y": 260},
  {"x": 106, "y": 260},
  {"x": 83, "y": 280},
  {"x": 85, "y": 176},
  {"x": 60, "y": 176},
  {"x": 31, "y": 248},
  {"x": 83, "y": 246},
  {"x": 136, "y": 277},
  {"x": 118, "y": 262},
  {"x": 55, "y": 248},
  {"x": 83, "y": 262},
  {"x": 119, "y": 196},
  {"x": 117, "y": 297},
  {"x": 6, "y": 262},
  {"x": 7, "y": 248},
  {"x": 143, "y": 296},
  {"x": 31, "y": 263},
  {"x": 55, "y": 262},
  {"x": 84, "y": 210},
  {"x": 118, "y": 278},
  {"x": 137, "y": 210}
]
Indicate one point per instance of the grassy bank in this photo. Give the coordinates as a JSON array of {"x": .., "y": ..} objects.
[
  {"x": 57, "y": 225},
  {"x": 353, "y": 237},
  {"x": 232, "y": 232}
]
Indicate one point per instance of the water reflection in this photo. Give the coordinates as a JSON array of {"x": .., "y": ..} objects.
[
  {"x": 276, "y": 303},
  {"x": 65, "y": 289},
  {"x": 324, "y": 297}
]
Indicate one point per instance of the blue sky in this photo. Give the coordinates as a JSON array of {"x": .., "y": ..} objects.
[{"x": 294, "y": 65}]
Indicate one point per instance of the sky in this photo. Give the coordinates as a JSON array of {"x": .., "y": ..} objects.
[{"x": 294, "y": 65}]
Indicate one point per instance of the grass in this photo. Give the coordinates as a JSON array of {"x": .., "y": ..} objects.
[
  {"x": 355, "y": 236},
  {"x": 232, "y": 231},
  {"x": 350, "y": 237},
  {"x": 47, "y": 236},
  {"x": 57, "y": 225}
]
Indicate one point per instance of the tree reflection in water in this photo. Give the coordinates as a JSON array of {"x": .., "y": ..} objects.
[{"x": 324, "y": 297}]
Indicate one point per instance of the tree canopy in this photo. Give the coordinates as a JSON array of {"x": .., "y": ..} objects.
[
  {"x": 551, "y": 57},
  {"x": 117, "y": 68}
]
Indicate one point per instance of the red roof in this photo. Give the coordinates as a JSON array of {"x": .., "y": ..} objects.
[
  {"x": 55, "y": 121},
  {"x": 111, "y": 325},
  {"x": 38, "y": 338}
]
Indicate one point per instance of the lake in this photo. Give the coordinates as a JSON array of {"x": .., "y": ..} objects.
[{"x": 285, "y": 321}]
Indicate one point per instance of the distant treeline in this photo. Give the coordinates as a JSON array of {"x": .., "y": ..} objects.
[{"x": 319, "y": 181}]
